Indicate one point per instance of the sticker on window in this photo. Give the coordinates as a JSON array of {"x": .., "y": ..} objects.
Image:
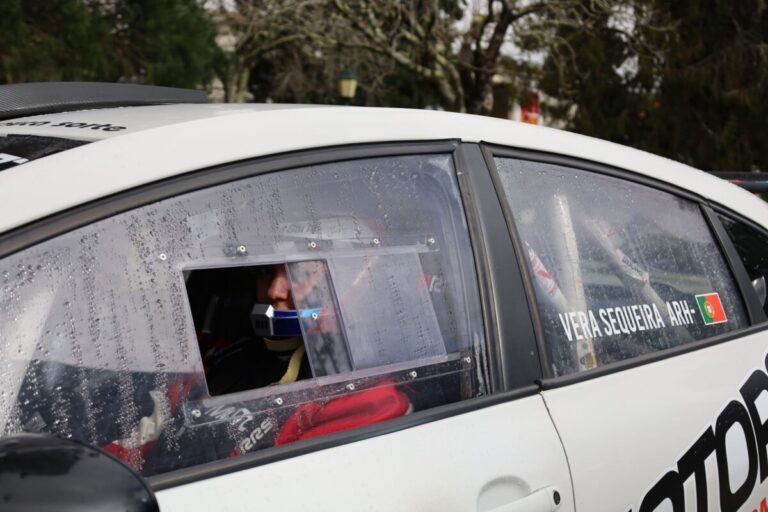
[{"x": 711, "y": 308}]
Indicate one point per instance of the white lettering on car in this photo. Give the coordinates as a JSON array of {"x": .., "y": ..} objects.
[
  {"x": 580, "y": 325},
  {"x": 256, "y": 435},
  {"x": 5, "y": 158}
]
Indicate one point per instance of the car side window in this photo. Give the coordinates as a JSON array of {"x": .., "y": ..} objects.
[
  {"x": 256, "y": 313},
  {"x": 752, "y": 246},
  {"x": 619, "y": 269}
]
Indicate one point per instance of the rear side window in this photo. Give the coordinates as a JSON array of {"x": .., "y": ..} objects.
[
  {"x": 252, "y": 314},
  {"x": 752, "y": 246},
  {"x": 619, "y": 269}
]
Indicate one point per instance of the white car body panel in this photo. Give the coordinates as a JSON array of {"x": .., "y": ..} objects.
[
  {"x": 476, "y": 461},
  {"x": 620, "y": 432},
  {"x": 96, "y": 170},
  {"x": 624, "y": 431}
]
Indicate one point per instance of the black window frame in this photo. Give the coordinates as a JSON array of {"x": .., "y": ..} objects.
[
  {"x": 715, "y": 211},
  {"x": 757, "y": 319},
  {"x": 512, "y": 348}
]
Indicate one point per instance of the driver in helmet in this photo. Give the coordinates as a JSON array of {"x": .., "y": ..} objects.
[{"x": 258, "y": 357}]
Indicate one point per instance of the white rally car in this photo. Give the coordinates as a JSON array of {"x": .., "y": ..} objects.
[{"x": 277, "y": 307}]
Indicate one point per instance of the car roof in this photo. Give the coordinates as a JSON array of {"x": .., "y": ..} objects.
[
  {"x": 89, "y": 125},
  {"x": 158, "y": 142}
]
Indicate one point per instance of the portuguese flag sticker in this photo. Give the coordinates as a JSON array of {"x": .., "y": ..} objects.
[{"x": 711, "y": 308}]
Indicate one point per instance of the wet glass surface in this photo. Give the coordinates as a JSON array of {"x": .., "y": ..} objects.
[
  {"x": 97, "y": 340},
  {"x": 620, "y": 269}
]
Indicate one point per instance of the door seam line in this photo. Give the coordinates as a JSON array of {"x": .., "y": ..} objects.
[{"x": 565, "y": 452}]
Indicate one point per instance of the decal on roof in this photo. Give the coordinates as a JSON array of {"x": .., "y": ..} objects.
[
  {"x": 105, "y": 127},
  {"x": 5, "y": 158},
  {"x": 611, "y": 321},
  {"x": 19, "y": 149}
]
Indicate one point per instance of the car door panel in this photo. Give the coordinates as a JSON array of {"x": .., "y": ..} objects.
[
  {"x": 482, "y": 460},
  {"x": 656, "y": 386},
  {"x": 625, "y": 432}
]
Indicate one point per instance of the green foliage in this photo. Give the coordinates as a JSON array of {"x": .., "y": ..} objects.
[
  {"x": 686, "y": 79},
  {"x": 52, "y": 40},
  {"x": 701, "y": 97},
  {"x": 713, "y": 94},
  {"x": 163, "y": 42},
  {"x": 586, "y": 69},
  {"x": 298, "y": 73}
]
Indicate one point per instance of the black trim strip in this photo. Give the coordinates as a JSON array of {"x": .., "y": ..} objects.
[
  {"x": 255, "y": 459},
  {"x": 530, "y": 296},
  {"x": 724, "y": 210},
  {"x": 506, "y": 311},
  {"x": 62, "y": 222},
  {"x": 620, "y": 366},
  {"x": 751, "y": 303},
  {"x": 472, "y": 212}
]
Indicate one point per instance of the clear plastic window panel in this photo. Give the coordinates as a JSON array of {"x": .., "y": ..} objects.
[
  {"x": 97, "y": 340},
  {"x": 619, "y": 269}
]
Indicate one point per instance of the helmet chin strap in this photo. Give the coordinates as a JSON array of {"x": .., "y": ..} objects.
[
  {"x": 294, "y": 365},
  {"x": 283, "y": 344},
  {"x": 295, "y": 344},
  {"x": 281, "y": 332}
]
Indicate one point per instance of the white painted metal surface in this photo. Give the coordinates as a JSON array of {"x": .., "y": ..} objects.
[
  {"x": 200, "y": 136},
  {"x": 484, "y": 460},
  {"x": 624, "y": 431},
  {"x": 621, "y": 432}
]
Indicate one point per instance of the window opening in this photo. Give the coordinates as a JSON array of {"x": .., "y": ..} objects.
[{"x": 254, "y": 324}]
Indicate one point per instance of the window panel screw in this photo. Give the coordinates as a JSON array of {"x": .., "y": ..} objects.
[
  {"x": 163, "y": 256},
  {"x": 350, "y": 387},
  {"x": 375, "y": 241},
  {"x": 413, "y": 374},
  {"x": 241, "y": 249},
  {"x": 312, "y": 245},
  {"x": 278, "y": 401},
  {"x": 196, "y": 413},
  {"x": 431, "y": 241},
  {"x": 468, "y": 360}
]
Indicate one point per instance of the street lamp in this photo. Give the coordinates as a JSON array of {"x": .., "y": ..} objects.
[{"x": 347, "y": 85}]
